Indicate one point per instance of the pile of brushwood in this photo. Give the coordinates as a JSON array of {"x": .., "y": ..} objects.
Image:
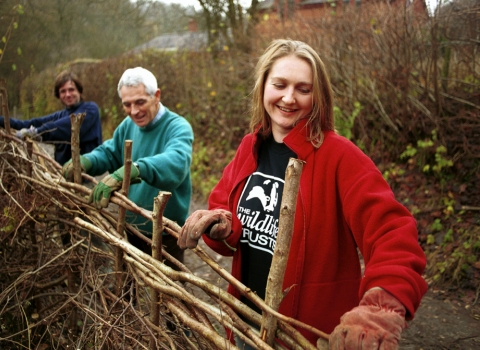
[{"x": 69, "y": 278}]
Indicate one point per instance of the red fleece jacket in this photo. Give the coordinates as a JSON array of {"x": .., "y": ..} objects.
[{"x": 343, "y": 204}]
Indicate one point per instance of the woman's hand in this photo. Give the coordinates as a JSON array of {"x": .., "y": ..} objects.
[
  {"x": 376, "y": 323},
  {"x": 217, "y": 224}
]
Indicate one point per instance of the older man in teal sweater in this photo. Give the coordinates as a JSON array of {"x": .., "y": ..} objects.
[{"x": 161, "y": 155}]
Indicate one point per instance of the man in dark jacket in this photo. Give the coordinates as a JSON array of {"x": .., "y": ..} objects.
[{"x": 56, "y": 128}]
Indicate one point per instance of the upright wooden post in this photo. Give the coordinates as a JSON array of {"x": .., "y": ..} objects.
[
  {"x": 72, "y": 273},
  {"x": 29, "y": 164},
  {"x": 76, "y": 121},
  {"x": 159, "y": 204},
  {"x": 122, "y": 212},
  {"x": 28, "y": 189},
  {"x": 4, "y": 105},
  {"x": 274, "y": 290}
]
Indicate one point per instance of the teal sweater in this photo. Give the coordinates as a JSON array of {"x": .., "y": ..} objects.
[{"x": 163, "y": 153}]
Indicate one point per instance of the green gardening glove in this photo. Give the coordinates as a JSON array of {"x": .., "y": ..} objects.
[
  {"x": 100, "y": 196},
  {"x": 67, "y": 169}
]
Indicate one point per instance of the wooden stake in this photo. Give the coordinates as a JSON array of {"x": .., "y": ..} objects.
[
  {"x": 4, "y": 105},
  {"x": 28, "y": 189},
  {"x": 29, "y": 165},
  {"x": 76, "y": 121},
  {"x": 274, "y": 291},
  {"x": 159, "y": 204},
  {"x": 73, "y": 274},
  {"x": 122, "y": 212}
]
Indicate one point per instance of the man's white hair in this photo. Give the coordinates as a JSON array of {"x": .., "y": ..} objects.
[{"x": 136, "y": 76}]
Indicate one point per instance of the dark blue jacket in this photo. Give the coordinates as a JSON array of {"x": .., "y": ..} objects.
[{"x": 56, "y": 128}]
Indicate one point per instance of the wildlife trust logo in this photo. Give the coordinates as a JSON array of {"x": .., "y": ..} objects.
[
  {"x": 259, "y": 210},
  {"x": 268, "y": 202}
]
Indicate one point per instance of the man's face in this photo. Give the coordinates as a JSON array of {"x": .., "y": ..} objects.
[
  {"x": 139, "y": 105},
  {"x": 69, "y": 94}
]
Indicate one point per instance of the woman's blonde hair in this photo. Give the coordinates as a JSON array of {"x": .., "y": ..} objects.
[{"x": 321, "y": 116}]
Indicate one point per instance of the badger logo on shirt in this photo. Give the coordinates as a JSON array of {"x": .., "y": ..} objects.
[{"x": 268, "y": 202}]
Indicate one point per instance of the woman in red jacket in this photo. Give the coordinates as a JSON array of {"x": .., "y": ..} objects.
[{"x": 344, "y": 205}]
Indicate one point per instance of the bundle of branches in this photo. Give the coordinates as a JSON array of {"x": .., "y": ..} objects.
[{"x": 62, "y": 285}]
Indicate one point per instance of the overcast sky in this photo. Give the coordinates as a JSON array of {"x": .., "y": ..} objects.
[{"x": 433, "y": 4}]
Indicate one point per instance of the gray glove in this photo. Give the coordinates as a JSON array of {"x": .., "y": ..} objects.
[
  {"x": 31, "y": 132},
  {"x": 217, "y": 224}
]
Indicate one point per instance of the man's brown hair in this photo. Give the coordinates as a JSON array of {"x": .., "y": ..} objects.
[{"x": 64, "y": 77}]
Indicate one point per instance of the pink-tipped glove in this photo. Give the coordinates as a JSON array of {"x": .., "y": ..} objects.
[
  {"x": 377, "y": 323},
  {"x": 217, "y": 224}
]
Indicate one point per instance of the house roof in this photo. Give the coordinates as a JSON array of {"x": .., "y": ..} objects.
[
  {"x": 312, "y": 2},
  {"x": 269, "y": 4},
  {"x": 265, "y": 5},
  {"x": 189, "y": 41}
]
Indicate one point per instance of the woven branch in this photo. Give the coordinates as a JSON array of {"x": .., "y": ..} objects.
[{"x": 40, "y": 296}]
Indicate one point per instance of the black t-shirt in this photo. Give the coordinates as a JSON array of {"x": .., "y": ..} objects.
[{"x": 259, "y": 211}]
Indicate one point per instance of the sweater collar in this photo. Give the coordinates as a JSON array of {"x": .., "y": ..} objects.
[
  {"x": 74, "y": 107},
  {"x": 160, "y": 113}
]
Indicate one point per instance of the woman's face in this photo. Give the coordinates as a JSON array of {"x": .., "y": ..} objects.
[{"x": 288, "y": 95}]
